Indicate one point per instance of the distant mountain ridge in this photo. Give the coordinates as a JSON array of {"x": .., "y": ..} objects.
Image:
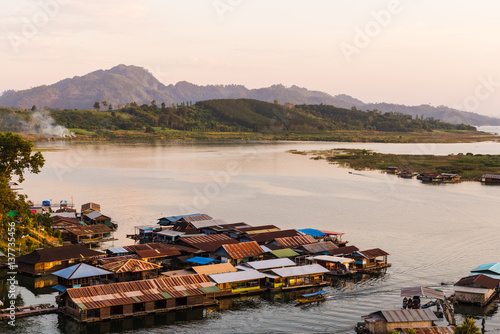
[{"x": 123, "y": 84}]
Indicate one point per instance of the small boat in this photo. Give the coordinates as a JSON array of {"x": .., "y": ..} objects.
[
  {"x": 312, "y": 297},
  {"x": 429, "y": 304}
]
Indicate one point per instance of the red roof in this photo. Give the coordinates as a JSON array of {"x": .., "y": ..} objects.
[{"x": 243, "y": 250}]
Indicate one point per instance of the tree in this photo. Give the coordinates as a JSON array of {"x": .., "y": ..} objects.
[
  {"x": 468, "y": 326},
  {"x": 33, "y": 108},
  {"x": 97, "y": 106},
  {"x": 110, "y": 107},
  {"x": 105, "y": 104},
  {"x": 15, "y": 157}
]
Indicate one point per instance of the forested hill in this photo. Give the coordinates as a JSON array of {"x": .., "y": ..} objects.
[
  {"x": 245, "y": 115},
  {"x": 122, "y": 84}
]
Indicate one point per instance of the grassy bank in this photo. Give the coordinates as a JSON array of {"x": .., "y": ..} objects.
[
  {"x": 360, "y": 136},
  {"x": 470, "y": 166}
]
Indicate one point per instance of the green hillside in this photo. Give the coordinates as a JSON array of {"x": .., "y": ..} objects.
[{"x": 245, "y": 115}]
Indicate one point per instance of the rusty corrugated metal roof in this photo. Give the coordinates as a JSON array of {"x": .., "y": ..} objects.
[
  {"x": 118, "y": 258},
  {"x": 372, "y": 253},
  {"x": 422, "y": 291},
  {"x": 161, "y": 252},
  {"x": 298, "y": 240},
  {"x": 243, "y": 250},
  {"x": 343, "y": 250},
  {"x": 410, "y": 315},
  {"x": 196, "y": 218},
  {"x": 319, "y": 247},
  {"x": 480, "y": 280},
  {"x": 209, "y": 242},
  {"x": 213, "y": 269},
  {"x": 138, "y": 291},
  {"x": 130, "y": 265},
  {"x": 151, "y": 245},
  {"x": 88, "y": 229},
  {"x": 186, "y": 249},
  {"x": 432, "y": 330},
  {"x": 262, "y": 238},
  {"x": 259, "y": 229}
]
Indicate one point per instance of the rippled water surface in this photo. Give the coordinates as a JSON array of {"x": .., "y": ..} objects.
[{"x": 435, "y": 234}]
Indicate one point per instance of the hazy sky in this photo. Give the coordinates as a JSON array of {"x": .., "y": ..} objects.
[{"x": 411, "y": 52}]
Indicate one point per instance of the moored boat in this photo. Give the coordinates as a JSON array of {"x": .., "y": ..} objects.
[{"x": 312, "y": 297}]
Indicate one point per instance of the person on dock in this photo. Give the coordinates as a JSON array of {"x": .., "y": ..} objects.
[{"x": 405, "y": 303}]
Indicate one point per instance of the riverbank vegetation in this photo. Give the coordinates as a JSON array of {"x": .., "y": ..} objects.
[
  {"x": 20, "y": 230},
  {"x": 470, "y": 166},
  {"x": 236, "y": 119}
]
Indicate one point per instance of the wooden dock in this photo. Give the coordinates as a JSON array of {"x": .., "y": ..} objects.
[{"x": 28, "y": 311}]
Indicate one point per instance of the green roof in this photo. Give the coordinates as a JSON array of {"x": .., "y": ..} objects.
[
  {"x": 287, "y": 252},
  {"x": 210, "y": 289},
  {"x": 166, "y": 295}
]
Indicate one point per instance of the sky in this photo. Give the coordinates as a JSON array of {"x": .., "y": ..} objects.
[{"x": 396, "y": 51}]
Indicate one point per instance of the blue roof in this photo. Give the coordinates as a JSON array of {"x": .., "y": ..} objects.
[
  {"x": 79, "y": 271},
  {"x": 59, "y": 288},
  {"x": 173, "y": 219},
  {"x": 494, "y": 268},
  {"x": 312, "y": 232},
  {"x": 200, "y": 260},
  {"x": 118, "y": 250}
]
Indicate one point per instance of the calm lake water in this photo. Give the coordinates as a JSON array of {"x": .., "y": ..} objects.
[{"x": 434, "y": 233}]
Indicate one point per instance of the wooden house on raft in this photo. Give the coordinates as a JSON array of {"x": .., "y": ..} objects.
[
  {"x": 296, "y": 277},
  {"x": 138, "y": 298},
  {"x": 240, "y": 282},
  {"x": 371, "y": 260},
  {"x": 336, "y": 265},
  {"x": 489, "y": 269},
  {"x": 490, "y": 179},
  {"x": 80, "y": 275},
  {"x": 240, "y": 252},
  {"x": 131, "y": 270},
  {"x": 47, "y": 260},
  {"x": 384, "y": 322},
  {"x": 478, "y": 289}
]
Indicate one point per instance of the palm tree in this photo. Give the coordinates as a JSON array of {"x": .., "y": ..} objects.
[{"x": 468, "y": 326}]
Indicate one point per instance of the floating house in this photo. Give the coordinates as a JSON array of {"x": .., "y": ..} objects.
[
  {"x": 212, "y": 269},
  {"x": 335, "y": 237},
  {"x": 392, "y": 170},
  {"x": 490, "y": 179},
  {"x": 382, "y": 322},
  {"x": 117, "y": 251},
  {"x": 240, "y": 252},
  {"x": 268, "y": 237},
  {"x": 267, "y": 264},
  {"x": 246, "y": 281},
  {"x": 61, "y": 223},
  {"x": 450, "y": 178},
  {"x": 429, "y": 330},
  {"x": 336, "y": 265},
  {"x": 92, "y": 234},
  {"x": 370, "y": 260},
  {"x": 490, "y": 269},
  {"x": 80, "y": 275},
  {"x": 207, "y": 243},
  {"x": 346, "y": 251},
  {"x": 319, "y": 248},
  {"x": 296, "y": 277},
  {"x": 295, "y": 241},
  {"x": 283, "y": 253},
  {"x": 95, "y": 218},
  {"x": 131, "y": 270},
  {"x": 89, "y": 207},
  {"x": 250, "y": 230},
  {"x": 166, "y": 221},
  {"x": 47, "y": 260},
  {"x": 478, "y": 289},
  {"x": 118, "y": 300}
]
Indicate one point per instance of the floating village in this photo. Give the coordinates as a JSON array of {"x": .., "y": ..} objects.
[{"x": 194, "y": 261}]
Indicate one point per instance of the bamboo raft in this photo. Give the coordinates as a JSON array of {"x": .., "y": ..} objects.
[{"x": 27, "y": 311}]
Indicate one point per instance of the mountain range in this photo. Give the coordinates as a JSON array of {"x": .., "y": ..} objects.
[{"x": 124, "y": 83}]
